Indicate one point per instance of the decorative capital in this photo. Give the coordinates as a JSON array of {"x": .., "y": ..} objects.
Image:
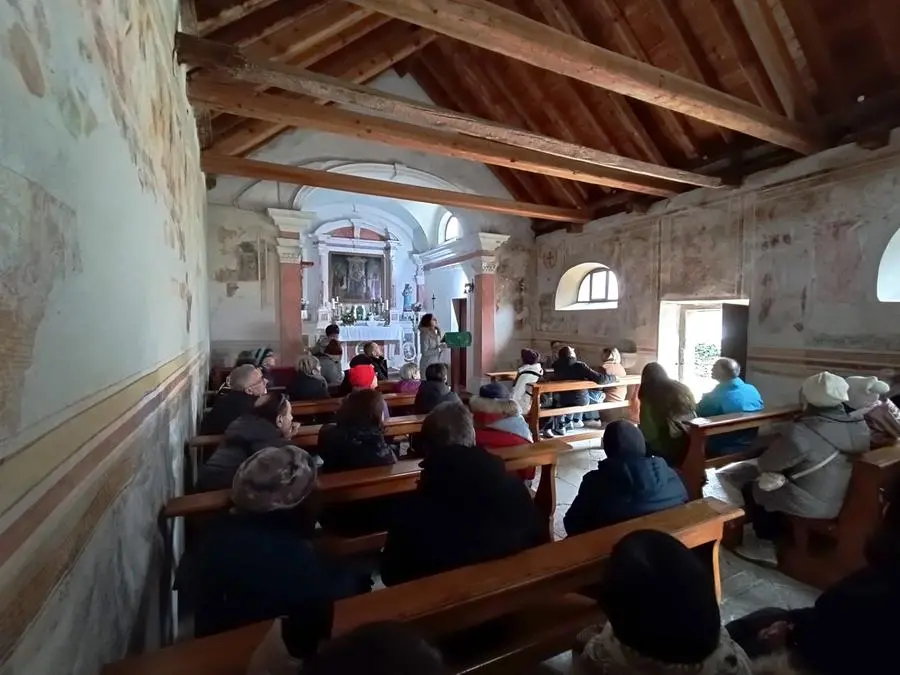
[
  {"x": 290, "y": 222},
  {"x": 289, "y": 250},
  {"x": 484, "y": 264}
]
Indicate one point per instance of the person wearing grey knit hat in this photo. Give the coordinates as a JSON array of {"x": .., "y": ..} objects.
[{"x": 258, "y": 562}]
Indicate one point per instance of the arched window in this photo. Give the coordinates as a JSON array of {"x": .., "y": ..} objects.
[
  {"x": 588, "y": 286},
  {"x": 450, "y": 228},
  {"x": 887, "y": 286}
]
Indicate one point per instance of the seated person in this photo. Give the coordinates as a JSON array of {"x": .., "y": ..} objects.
[
  {"x": 530, "y": 372},
  {"x": 361, "y": 377},
  {"x": 410, "y": 379},
  {"x": 867, "y": 399},
  {"x": 308, "y": 384},
  {"x": 848, "y": 630},
  {"x": 372, "y": 356},
  {"x": 265, "y": 361},
  {"x": 612, "y": 364},
  {"x": 730, "y": 395},
  {"x": 806, "y": 469},
  {"x": 499, "y": 422},
  {"x": 466, "y": 509},
  {"x": 356, "y": 441},
  {"x": 269, "y": 423},
  {"x": 330, "y": 363},
  {"x": 626, "y": 485},
  {"x": 662, "y": 614},
  {"x": 247, "y": 356},
  {"x": 332, "y": 334},
  {"x": 568, "y": 367},
  {"x": 666, "y": 408},
  {"x": 434, "y": 390},
  {"x": 245, "y": 384},
  {"x": 258, "y": 561}
]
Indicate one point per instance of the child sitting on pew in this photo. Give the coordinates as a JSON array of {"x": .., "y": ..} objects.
[
  {"x": 466, "y": 509},
  {"x": 258, "y": 562},
  {"x": 268, "y": 423},
  {"x": 627, "y": 484},
  {"x": 662, "y": 615}
]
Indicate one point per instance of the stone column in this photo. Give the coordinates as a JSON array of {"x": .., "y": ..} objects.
[
  {"x": 292, "y": 227},
  {"x": 483, "y": 269}
]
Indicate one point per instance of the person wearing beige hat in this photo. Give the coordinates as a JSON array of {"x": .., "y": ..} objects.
[
  {"x": 258, "y": 562},
  {"x": 806, "y": 468},
  {"x": 867, "y": 399}
]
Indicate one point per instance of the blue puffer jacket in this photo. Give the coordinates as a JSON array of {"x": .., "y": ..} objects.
[
  {"x": 626, "y": 485},
  {"x": 732, "y": 396}
]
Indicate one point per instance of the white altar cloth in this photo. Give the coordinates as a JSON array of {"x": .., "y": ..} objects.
[{"x": 375, "y": 333}]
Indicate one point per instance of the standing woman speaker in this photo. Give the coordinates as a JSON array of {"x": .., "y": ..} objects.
[{"x": 430, "y": 341}]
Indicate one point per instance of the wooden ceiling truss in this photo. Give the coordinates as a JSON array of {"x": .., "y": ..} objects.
[{"x": 579, "y": 107}]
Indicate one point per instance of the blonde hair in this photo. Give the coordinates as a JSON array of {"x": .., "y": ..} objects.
[
  {"x": 409, "y": 371},
  {"x": 309, "y": 365}
]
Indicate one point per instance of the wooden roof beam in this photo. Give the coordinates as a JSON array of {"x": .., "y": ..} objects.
[
  {"x": 239, "y": 100},
  {"x": 230, "y": 14},
  {"x": 486, "y": 25},
  {"x": 228, "y": 60},
  {"x": 248, "y": 168},
  {"x": 776, "y": 59},
  {"x": 259, "y": 25}
]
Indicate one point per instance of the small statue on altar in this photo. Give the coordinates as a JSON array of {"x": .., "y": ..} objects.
[
  {"x": 360, "y": 313},
  {"x": 407, "y": 298}
]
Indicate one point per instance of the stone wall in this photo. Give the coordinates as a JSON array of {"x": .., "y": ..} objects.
[
  {"x": 802, "y": 242},
  {"x": 103, "y": 321}
]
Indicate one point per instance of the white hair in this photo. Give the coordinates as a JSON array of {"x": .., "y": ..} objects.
[
  {"x": 240, "y": 377},
  {"x": 409, "y": 371}
]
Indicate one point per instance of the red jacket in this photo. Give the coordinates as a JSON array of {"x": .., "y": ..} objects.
[{"x": 499, "y": 424}]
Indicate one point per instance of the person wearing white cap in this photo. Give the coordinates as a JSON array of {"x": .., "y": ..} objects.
[
  {"x": 806, "y": 469},
  {"x": 867, "y": 400}
]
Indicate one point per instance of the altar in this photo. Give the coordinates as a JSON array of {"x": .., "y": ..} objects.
[{"x": 397, "y": 340}]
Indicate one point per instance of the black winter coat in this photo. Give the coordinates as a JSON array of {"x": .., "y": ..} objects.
[
  {"x": 626, "y": 485},
  {"x": 245, "y": 436},
  {"x": 227, "y": 406},
  {"x": 307, "y": 388},
  {"x": 345, "y": 448},
  {"x": 380, "y": 364},
  {"x": 571, "y": 369},
  {"x": 465, "y": 510},
  {"x": 430, "y": 395},
  {"x": 251, "y": 568}
]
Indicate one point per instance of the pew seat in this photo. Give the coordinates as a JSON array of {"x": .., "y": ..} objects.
[
  {"x": 535, "y": 589},
  {"x": 536, "y": 413}
]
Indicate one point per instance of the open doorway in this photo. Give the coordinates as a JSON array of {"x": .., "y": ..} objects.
[
  {"x": 459, "y": 362},
  {"x": 693, "y": 334}
]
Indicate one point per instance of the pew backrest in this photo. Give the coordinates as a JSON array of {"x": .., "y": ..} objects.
[
  {"x": 458, "y": 599},
  {"x": 536, "y": 413},
  {"x": 394, "y": 401}
]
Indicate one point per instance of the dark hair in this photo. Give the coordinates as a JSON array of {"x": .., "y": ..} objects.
[
  {"x": 566, "y": 352},
  {"x": 361, "y": 408},
  {"x": 383, "y": 648},
  {"x": 450, "y": 423},
  {"x": 303, "y": 632},
  {"x": 334, "y": 348},
  {"x": 369, "y": 346},
  {"x": 437, "y": 372},
  {"x": 426, "y": 320},
  {"x": 263, "y": 353},
  {"x": 245, "y": 358},
  {"x": 270, "y": 407},
  {"x": 652, "y": 376},
  {"x": 883, "y": 548},
  {"x": 332, "y": 329}
]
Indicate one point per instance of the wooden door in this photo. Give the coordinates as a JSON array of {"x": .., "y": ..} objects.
[
  {"x": 735, "y": 323},
  {"x": 459, "y": 357}
]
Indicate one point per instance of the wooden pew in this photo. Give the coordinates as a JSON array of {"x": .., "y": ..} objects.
[
  {"x": 509, "y": 375},
  {"x": 330, "y": 405},
  {"x": 693, "y": 469},
  {"x": 536, "y": 590},
  {"x": 384, "y": 386},
  {"x": 535, "y": 414}
]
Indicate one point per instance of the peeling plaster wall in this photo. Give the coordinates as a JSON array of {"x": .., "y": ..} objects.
[
  {"x": 103, "y": 321},
  {"x": 802, "y": 242},
  {"x": 244, "y": 281}
]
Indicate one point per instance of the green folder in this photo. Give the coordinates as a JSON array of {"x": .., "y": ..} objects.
[{"x": 458, "y": 340}]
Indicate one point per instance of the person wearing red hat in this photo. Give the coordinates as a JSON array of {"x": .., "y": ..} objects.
[{"x": 363, "y": 377}]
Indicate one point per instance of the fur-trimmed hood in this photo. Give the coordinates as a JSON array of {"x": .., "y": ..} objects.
[{"x": 502, "y": 407}]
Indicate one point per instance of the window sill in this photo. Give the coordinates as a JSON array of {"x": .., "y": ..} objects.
[{"x": 581, "y": 306}]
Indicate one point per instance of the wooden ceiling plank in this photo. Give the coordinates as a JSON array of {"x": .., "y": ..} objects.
[
  {"x": 231, "y": 14},
  {"x": 235, "y": 63},
  {"x": 678, "y": 29},
  {"x": 502, "y": 104},
  {"x": 559, "y": 16},
  {"x": 213, "y": 163},
  {"x": 521, "y": 186},
  {"x": 538, "y": 188},
  {"x": 190, "y": 25},
  {"x": 265, "y": 22},
  {"x": 776, "y": 59},
  {"x": 366, "y": 61},
  {"x": 281, "y": 110},
  {"x": 494, "y": 28},
  {"x": 808, "y": 30}
]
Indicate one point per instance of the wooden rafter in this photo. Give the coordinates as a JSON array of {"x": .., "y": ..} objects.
[
  {"x": 226, "y": 60},
  {"x": 260, "y": 25},
  {"x": 776, "y": 59},
  {"x": 189, "y": 24},
  {"x": 231, "y": 14},
  {"x": 802, "y": 16},
  {"x": 361, "y": 62},
  {"x": 249, "y": 168},
  {"x": 281, "y": 110},
  {"x": 494, "y": 28}
]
